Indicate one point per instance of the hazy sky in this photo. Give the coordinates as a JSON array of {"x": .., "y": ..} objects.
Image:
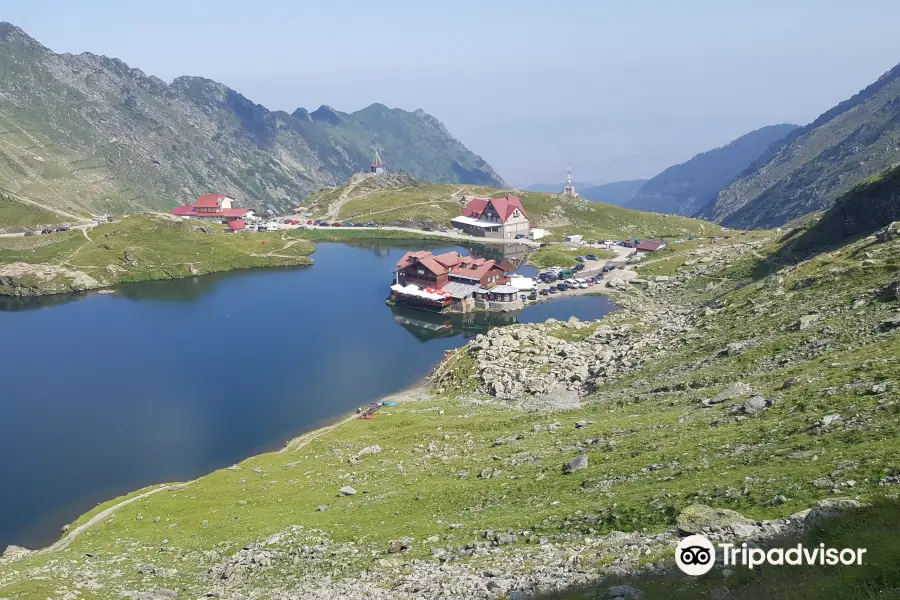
[{"x": 618, "y": 89}]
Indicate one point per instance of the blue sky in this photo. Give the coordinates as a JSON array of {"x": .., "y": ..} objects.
[{"x": 617, "y": 89}]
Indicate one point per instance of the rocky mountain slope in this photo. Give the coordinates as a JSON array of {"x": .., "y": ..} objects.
[
  {"x": 88, "y": 133},
  {"x": 857, "y": 139},
  {"x": 684, "y": 188},
  {"x": 730, "y": 395}
]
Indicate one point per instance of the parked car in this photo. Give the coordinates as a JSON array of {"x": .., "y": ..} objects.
[
  {"x": 337, "y": 224},
  {"x": 62, "y": 228},
  {"x": 591, "y": 257},
  {"x": 583, "y": 285},
  {"x": 519, "y": 236},
  {"x": 552, "y": 290},
  {"x": 562, "y": 287},
  {"x": 579, "y": 259},
  {"x": 609, "y": 268},
  {"x": 578, "y": 267},
  {"x": 110, "y": 219},
  {"x": 591, "y": 282},
  {"x": 532, "y": 296},
  {"x": 544, "y": 292},
  {"x": 29, "y": 232},
  {"x": 544, "y": 244},
  {"x": 46, "y": 230}
]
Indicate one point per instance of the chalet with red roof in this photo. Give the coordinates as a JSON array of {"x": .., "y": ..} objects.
[
  {"x": 213, "y": 207},
  {"x": 449, "y": 281},
  {"x": 500, "y": 218},
  {"x": 649, "y": 246}
]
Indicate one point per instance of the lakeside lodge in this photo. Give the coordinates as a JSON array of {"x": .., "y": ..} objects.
[
  {"x": 450, "y": 282},
  {"x": 213, "y": 207},
  {"x": 498, "y": 218}
]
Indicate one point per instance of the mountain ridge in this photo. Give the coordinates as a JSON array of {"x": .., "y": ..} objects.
[
  {"x": 855, "y": 139},
  {"x": 89, "y": 132},
  {"x": 684, "y": 188}
]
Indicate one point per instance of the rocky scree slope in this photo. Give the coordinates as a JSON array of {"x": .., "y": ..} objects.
[
  {"x": 685, "y": 188},
  {"x": 89, "y": 133},
  {"x": 808, "y": 170},
  {"x": 737, "y": 395}
]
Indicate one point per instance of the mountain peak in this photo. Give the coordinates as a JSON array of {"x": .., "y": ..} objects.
[
  {"x": 13, "y": 34},
  {"x": 326, "y": 114}
]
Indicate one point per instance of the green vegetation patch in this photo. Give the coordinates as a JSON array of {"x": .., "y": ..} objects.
[{"x": 15, "y": 215}]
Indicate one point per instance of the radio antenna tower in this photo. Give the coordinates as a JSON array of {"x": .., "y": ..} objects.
[{"x": 570, "y": 187}]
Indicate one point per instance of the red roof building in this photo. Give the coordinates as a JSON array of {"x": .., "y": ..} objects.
[
  {"x": 217, "y": 207},
  {"x": 236, "y": 225},
  {"x": 494, "y": 218},
  {"x": 650, "y": 246},
  {"x": 423, "y": 268}
]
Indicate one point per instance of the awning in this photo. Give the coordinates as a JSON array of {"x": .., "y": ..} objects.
[
  {"x": 475, "y": 222},
  {"x": 521, "y": 283}
]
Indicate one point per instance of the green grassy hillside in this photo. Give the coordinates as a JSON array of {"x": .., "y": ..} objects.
[
  {"x": 437, "y": 204},
  {"x": 15, "y": 215},
  {"x": 137, "y": 248}
]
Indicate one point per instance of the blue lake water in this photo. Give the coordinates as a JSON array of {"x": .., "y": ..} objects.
[{"x": 166, "y": 381}]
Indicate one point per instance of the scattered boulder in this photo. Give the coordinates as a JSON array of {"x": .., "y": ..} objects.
[
  {"x": 576, "y": 464},
  {"x": 754, "y": 405},
  {"x": 623, "y": 591},
  {"x": 735, "y": 390},
  {"x": 733, "y": 349},
  {"x": 807, "y": 321},
  {"x": 889, "y": 324},
  {"x": 398, "y": 546},
  {"x": 699, "y": 518},
  {"x": 347, "y": 491},
  {"x": 829, "y": 420},
  {"x": 826, "y": 509},
  {"x": 790, "y": 382},
  {"x": 890, "y": 292}
]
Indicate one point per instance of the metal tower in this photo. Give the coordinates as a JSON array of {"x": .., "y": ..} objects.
[
  {"x": 377, "y": 165},
  {"x": 570, "y": 187}
]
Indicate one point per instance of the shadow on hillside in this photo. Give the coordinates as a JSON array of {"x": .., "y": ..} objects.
[
  {"x": 801, "y": 244},
  {"x": 875, "y": 528}
]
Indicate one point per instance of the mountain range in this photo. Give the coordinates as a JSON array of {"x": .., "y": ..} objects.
[
  {"x": 684, "y": 188},
  {"x": 87, "y": 133},
  {"x": 814, "y": 165}
]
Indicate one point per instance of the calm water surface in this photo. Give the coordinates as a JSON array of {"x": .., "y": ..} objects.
[{"x": 102, "y": 394}]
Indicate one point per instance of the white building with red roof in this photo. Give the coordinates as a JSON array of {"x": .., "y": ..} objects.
[
  {"x": 501, "y": 218},
  {"x": 213, "y": 207}
]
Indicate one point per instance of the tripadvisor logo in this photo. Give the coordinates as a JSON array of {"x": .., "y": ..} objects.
[{"x": 696, "y": 555}]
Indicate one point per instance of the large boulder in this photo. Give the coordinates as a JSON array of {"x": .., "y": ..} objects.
[
  {"x": 576, "y": 464},
  {"x": 699, "y": 518}
]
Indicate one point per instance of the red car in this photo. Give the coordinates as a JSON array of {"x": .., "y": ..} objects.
[
  {"x": 310, "y": 222},
  {"x": 337, "y": 224},
  {"x": 295, "y": 222}
]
